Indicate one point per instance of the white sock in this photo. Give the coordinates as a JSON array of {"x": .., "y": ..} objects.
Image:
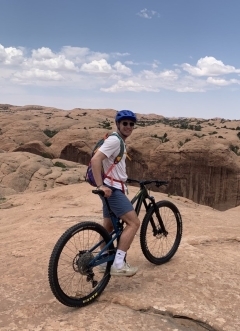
[{"x": 119, "y": 259}]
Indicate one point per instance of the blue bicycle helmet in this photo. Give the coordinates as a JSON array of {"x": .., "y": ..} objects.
[{"x": 125, "y": 115}]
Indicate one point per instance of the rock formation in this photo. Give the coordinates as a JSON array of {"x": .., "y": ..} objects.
[{"x": 200, "y": 158}]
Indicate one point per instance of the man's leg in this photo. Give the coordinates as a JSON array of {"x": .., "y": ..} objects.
[
  {"x": 120, "y": 267},
  {"x": 107, "y": 224},
  {"x": 130, "y": 230}
]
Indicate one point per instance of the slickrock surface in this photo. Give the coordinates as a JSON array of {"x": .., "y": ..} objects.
[{"x": 197, "y": 290}]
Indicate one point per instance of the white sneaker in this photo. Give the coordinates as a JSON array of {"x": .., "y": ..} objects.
[{"x": 126, "y": 270}]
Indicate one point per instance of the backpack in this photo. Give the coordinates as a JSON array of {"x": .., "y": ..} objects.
[{"x": 89, "y": 174}]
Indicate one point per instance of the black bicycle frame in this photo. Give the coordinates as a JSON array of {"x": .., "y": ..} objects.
[{"x": 141, "y": 198}]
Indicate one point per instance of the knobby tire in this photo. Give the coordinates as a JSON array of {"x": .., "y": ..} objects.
[
  {"x": 68, "y": 285},
  {"x": 159, "y": 248}
]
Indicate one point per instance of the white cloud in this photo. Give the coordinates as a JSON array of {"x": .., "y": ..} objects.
[
  {"x": 95, "y": 66},
  {"x": 209, "y": 66},
  {"x": 189, "y": 89},
  {"x": 129, "y": 85},
  {"x": 222, "y": 82},
  {"x": 103, "y": 67},
  {"x": 117, "y": 54},
  {"x": 44, "y": 58},
  {"x": 146, "y": 13},
  {"x": 42, "y": 53},
  {"x": 33, "y": 74},
  {"x": 131, "y": 63},
  {"x": 163, "y": 75},
  {"x": 80, "y": 55},
  {"x": 83, "y": 69},
  {"x": 121, "y": 68},
  {"x": 10, "y": 55}
]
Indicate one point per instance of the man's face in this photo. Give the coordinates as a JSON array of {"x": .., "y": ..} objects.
[{"x": 126, "y": 127}]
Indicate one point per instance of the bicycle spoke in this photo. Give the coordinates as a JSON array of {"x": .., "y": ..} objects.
[
  {"x": 72, "y": 281},
  {"x": 159, "y": 246}
]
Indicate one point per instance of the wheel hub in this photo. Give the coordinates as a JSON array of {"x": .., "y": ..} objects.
[{"x": 81, "y": 262}]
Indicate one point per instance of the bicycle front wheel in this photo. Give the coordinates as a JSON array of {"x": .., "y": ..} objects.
[
  {"x": 159, "y": 246},
  {"x": 72, "y": 282}
]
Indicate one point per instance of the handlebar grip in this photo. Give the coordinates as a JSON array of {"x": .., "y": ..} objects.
[{"x": 99, "y": 192}]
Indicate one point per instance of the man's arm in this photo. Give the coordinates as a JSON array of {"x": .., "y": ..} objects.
[{"x": 96, "y": 163}]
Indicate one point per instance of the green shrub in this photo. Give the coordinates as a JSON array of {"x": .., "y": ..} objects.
[
  {"x": 48, "y": 144},
  {"x": 163, "y": 138},
  {"x": 59, "y": 164},
  {"x": 235, "y": 149},
  {"x": 50, "y": 133},
  {"x": 198, "y": 135},
  {"x": 2, "y": 199},
  {"x": 46, "y": 155}
]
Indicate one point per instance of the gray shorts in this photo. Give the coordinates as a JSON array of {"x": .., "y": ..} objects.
[{"x": 118, "y": 202}]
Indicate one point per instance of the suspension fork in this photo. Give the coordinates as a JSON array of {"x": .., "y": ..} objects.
[{"x": 156, "y": 210}]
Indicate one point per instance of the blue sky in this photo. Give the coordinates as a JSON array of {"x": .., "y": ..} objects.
[{"x": 172, "y": 58}]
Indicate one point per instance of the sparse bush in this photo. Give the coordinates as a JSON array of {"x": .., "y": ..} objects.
[
  {"x": 199, "y": 136},
  {"x": 181, "y": 143},
  {"x": 106, "y": 124},
  {"x": 163, "y": 138},
  {"x": 59, "y": 164},
  {"x": 47, "y": 155},
  {"x": 235, "y": 149},
  {"x": 48, "y": 144},
  {"x": 50, "y": 133},
  {"x": 198, "y": 128}
]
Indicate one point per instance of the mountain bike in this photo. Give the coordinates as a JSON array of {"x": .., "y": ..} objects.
[{"x": 75, "y": 276}]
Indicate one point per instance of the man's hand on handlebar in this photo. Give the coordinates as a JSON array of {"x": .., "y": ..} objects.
[{"x": 107, "y": 191}]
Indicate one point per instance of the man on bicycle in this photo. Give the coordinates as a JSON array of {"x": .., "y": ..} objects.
[{"x": 114, "y": 188}]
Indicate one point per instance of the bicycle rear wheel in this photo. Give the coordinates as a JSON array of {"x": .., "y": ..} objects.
[
  {"x": 159, "y": 247},
  {"x": 70, "y": 279}
]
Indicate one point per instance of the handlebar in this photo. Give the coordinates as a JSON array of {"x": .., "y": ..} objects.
[{"x": 142, "y": 183}]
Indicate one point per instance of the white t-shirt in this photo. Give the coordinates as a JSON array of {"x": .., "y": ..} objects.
[{"x": 111, "y": 148}]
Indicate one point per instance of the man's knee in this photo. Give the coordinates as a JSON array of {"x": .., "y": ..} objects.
[{"x": 131, "y": 219}]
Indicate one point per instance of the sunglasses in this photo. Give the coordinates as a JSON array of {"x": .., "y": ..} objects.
[{"x": 128, "y": 123}]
